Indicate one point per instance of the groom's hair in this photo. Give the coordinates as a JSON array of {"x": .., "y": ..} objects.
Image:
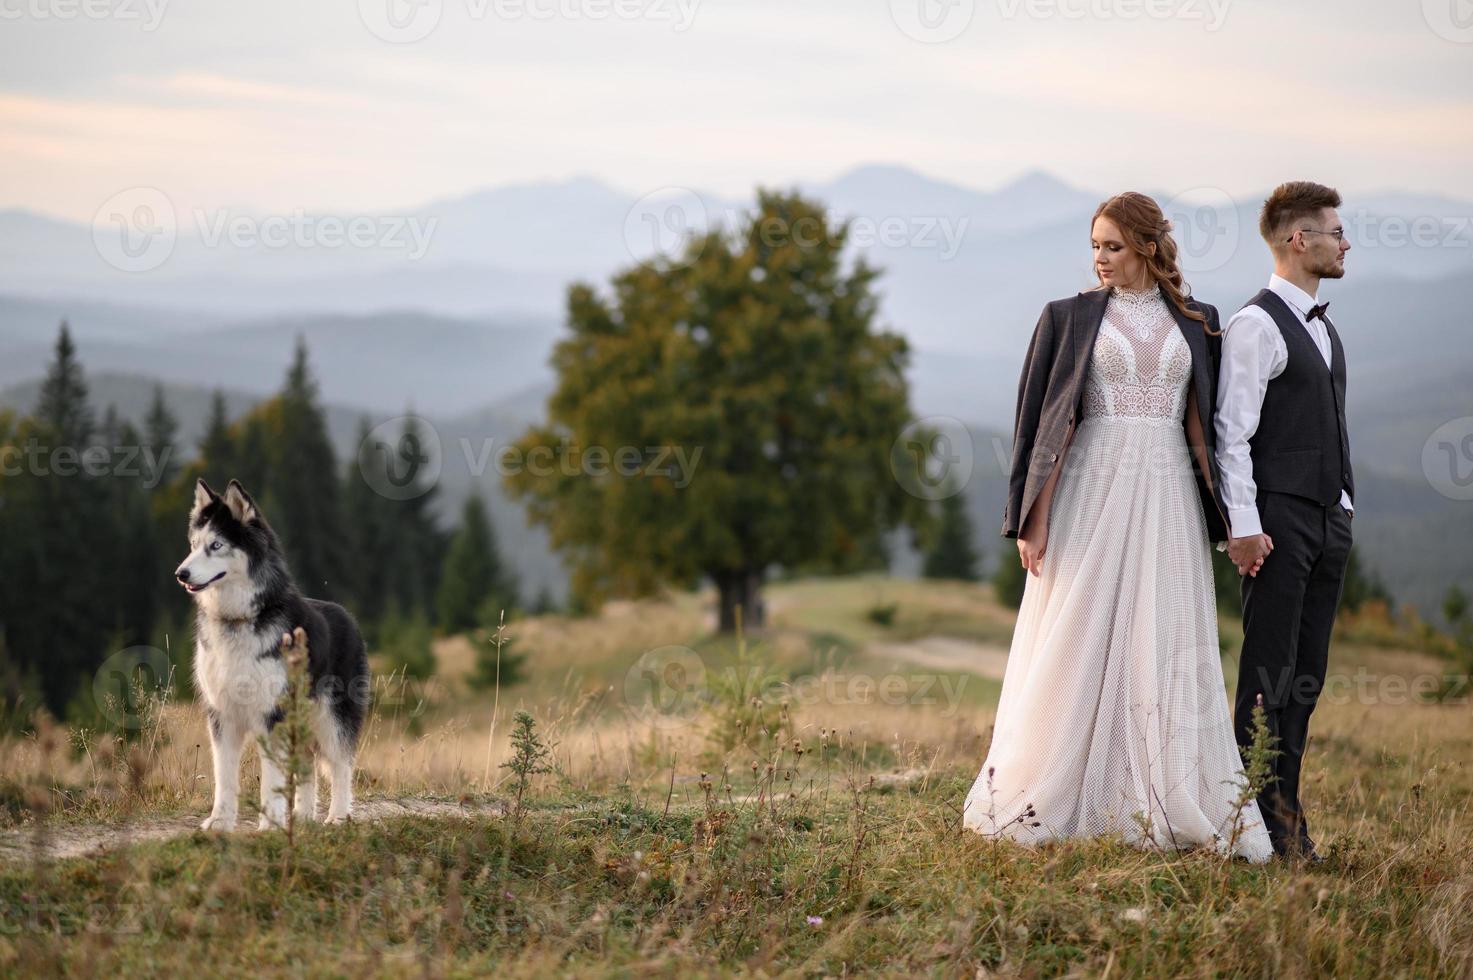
[{"x": 1291, "y": 203}]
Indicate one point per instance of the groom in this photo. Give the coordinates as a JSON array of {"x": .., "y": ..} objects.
[{"x": 1284, "y": 452}]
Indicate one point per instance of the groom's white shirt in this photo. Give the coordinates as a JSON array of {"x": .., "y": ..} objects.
[{"x": 1253, "y": 354}]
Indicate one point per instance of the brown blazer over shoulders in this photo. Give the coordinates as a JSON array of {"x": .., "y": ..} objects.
[{"x": 1051, "y": 392}]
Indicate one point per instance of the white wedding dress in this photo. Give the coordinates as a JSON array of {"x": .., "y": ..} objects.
[{"x": 1114, "y": 716}]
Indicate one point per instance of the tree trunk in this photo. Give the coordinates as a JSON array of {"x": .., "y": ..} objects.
[{"x": 740, "y": 589}]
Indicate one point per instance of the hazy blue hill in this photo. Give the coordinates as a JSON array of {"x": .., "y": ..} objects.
[
  {"x": 33, "y": 320},
  {"x": 381, "y": 362},
  {"x": 516, "y": 247}
]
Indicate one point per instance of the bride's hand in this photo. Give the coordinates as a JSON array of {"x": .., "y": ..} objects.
[{"x": 1031, "y": 545}]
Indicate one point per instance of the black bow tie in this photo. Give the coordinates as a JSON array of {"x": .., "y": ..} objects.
[{"x": 1317, "y": 312}]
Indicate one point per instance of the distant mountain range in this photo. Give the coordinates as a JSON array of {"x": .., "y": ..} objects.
[
  {"x": 967, "y": 269},
  {"x": 462, "y": 334}
]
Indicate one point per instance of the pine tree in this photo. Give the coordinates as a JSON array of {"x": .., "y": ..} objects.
[
  {"x": 63, "y": 403},
  {"x": 216, "y": 447},
  {"x": 415, "y": 545},
  {"x": 367, "y": 539},
  {"x": 473, "y": 572},
  {"x": 407, "y": 643},
  {"x": 953, "y": 556},
  {"x": 396, "y": 544},
  {"x": 138, "y": 593},
  {"x": 301, "y": 487},
  {"x": 544, "y": 603},
  {"x": 56, "y": 591},
  {"x": 160, "y": 434}
]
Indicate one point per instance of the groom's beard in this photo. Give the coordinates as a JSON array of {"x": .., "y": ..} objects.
[{"x": 1329, "y": 270}]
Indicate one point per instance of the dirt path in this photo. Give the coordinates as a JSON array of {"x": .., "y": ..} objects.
[
  {"x": 948, "y": 653},
  {"x": 78, "y": 840},
  {"x": 75, "y": 840}
]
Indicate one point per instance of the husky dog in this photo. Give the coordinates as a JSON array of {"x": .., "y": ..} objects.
[{"x": 247, "y": 609}]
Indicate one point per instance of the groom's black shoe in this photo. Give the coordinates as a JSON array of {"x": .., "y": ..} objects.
[{"x": 1295, "y": 849}]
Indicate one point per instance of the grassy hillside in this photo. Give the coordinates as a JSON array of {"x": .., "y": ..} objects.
[{"x": 789, "y": 805}]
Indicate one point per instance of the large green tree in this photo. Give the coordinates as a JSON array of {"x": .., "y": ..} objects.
[{"x": 755, "y": 356}]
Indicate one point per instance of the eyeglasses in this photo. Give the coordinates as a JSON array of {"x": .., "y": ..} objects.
[{"x": 1338, "y": 234}]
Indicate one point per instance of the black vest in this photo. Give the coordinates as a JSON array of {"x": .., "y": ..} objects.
[{"x": 1301, "y": 445}]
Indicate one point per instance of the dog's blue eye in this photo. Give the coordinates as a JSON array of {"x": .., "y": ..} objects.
[{"x": 214, "y": 546}]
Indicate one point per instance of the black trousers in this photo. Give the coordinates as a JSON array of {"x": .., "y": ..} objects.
[{"x": 1288, "y": 612}]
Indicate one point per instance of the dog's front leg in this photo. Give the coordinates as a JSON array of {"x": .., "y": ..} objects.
[
  {"x": 225, "y": 745},
  {"x": 307, "y": 795},
  {"x": 273, "y": 796},
  {"x": 340, "y": 772}
]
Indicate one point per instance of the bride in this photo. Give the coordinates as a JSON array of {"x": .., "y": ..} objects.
[{"x": 1113, "y": 717}]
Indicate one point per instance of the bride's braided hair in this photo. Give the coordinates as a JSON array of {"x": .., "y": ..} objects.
[{"x": 1142, "y": 222}]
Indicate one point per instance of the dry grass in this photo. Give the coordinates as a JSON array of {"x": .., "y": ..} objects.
[{"x": 815, "y": 836}]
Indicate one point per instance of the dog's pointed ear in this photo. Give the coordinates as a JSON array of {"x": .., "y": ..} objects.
[
  {"x": 242, "y": 507},
  {"x": 203, "y": 497}
]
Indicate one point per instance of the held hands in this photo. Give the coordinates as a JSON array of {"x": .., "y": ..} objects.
[{"x": 1249, "y": 552}]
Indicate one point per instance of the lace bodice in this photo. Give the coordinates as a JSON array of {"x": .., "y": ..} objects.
[{"x": 1141, "y": 362}]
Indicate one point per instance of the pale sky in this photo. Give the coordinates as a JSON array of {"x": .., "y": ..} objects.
[{"x": 274, "y": 105}]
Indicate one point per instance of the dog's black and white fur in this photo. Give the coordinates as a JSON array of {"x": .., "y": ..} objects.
[{"x": 247, "y": 606}]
